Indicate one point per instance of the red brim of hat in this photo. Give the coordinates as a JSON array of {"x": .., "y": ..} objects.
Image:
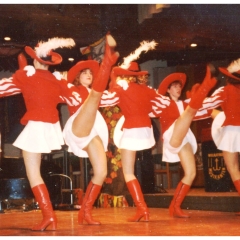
[
  {"x": 163, "y": 87},
  {"x": 91, "y": 64},
  {"x": 227, "y": 73},
  {"x": 55, "y": 57},
  {"x": 117, "y": 71}
]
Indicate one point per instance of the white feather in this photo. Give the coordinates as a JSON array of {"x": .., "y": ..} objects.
[
  {"x": 44, "y": 48},
  {"x": 234, "y": 66},
  {"x": 144, "y": 46}
]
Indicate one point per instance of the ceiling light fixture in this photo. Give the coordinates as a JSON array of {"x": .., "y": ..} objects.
[
  {"x": 193, "y": 45},
  {"x": 7, "y": 38},
  {"x": 70, "y": 59}
]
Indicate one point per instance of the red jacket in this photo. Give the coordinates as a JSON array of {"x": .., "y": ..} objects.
[
  {"x": 42, "y": 92},
  {"x": 135, "y": 104}
]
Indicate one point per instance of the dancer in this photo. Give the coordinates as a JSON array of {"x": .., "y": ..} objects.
[
  {"x": 133, "y": 97},
  {"x": 129, "y": 91},
  {"x": 86, "y": 131},
  {"x": 182, "y": 136},
  {"x": 42, "y": 133},
  {"x": 226, "y": 123}
]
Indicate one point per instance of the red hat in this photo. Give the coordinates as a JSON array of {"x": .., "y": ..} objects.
[
  {"x": 54, "y": 58},
  {"x": 162, "y": 89},
  {"x": 233, "y": 70},
  {"x": 43, "y": 51},
  {"x": 132, "y": 70},
  {"x": 91, "y": 64}
]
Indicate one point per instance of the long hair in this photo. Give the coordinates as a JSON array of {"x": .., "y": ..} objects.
[{"x": 76, "y": 80}]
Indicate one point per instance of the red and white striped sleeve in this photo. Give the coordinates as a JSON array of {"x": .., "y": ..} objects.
[
  {"x": 109, "y": 99},
  {"x": 159, "y": 102},
  {"x": 8, "y": 88}
]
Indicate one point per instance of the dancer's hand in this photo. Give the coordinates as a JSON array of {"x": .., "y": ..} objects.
[
  {"x": 193, "y": 90},
  {"x": 22, "y": 61},
  {"x": 213, "y": 70}
]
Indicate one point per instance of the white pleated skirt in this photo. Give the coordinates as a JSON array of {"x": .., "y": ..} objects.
[
  {"x": 170, "y": 154},
  {"x": 134, "y": 139},
  {"x": 40, "y": 137},
  {"x": 76, "y": 144},
  {"x": 226, "y": 138}
]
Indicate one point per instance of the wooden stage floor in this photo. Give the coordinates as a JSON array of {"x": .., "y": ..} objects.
[{"x": 201, "y": 223}]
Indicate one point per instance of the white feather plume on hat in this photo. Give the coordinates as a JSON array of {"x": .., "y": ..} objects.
[
  {"x": 144, "y": 46},
  {"x": 44, "y": 48},
  {"x": 234, "y": 66}
]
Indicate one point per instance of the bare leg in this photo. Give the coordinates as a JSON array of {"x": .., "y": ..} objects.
[
  {"x": 84, "y": 121},
  {"x": 188, "y": 164},
  {"x": 128, "y": 162},
  {"x": 32, "y": 163},
  {"x": 97, "y": 157},
  {"x": 231, "y": 161},
  {"x": 181, "y": 126}
]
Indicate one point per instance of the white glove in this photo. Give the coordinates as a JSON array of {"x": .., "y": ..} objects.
[
  {"x": 30, "y": 70},
  {"x": 57, "y": 75},
  {"x": 123, "y": 84}
]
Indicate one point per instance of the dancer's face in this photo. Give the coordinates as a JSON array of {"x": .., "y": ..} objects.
[
  {"x": 175, "y": 90},
  {"x": 86, "y": 77}
]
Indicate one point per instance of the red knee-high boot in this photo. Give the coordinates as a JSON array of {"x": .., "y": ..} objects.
[
  {"x": 179, "y": 195},
  {"x": 237, "y": 186},
  {"x": 208, "y": 83},
  {"x": 110, "y": 58},
  {"x": 136, "y": 193},
  {"x": 42, "y": 197},
  {"x": 91, "y": 195}
]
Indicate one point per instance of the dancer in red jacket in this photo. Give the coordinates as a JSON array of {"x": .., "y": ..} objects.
[
  {"x": 86, "y": 132},
  {"x": 172, "y": 86},
  {"x": 133, "y": 131},
  {"x": 226, "y": 123},
  {"x": 42, "y": 133}
]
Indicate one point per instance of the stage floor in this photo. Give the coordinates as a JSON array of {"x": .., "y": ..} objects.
[
  {"x": 114, "y": 221},
  {"x": 201, "y": 223}
]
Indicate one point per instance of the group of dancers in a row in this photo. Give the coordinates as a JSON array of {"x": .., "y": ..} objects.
[{"x": 88, "y": 88}]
